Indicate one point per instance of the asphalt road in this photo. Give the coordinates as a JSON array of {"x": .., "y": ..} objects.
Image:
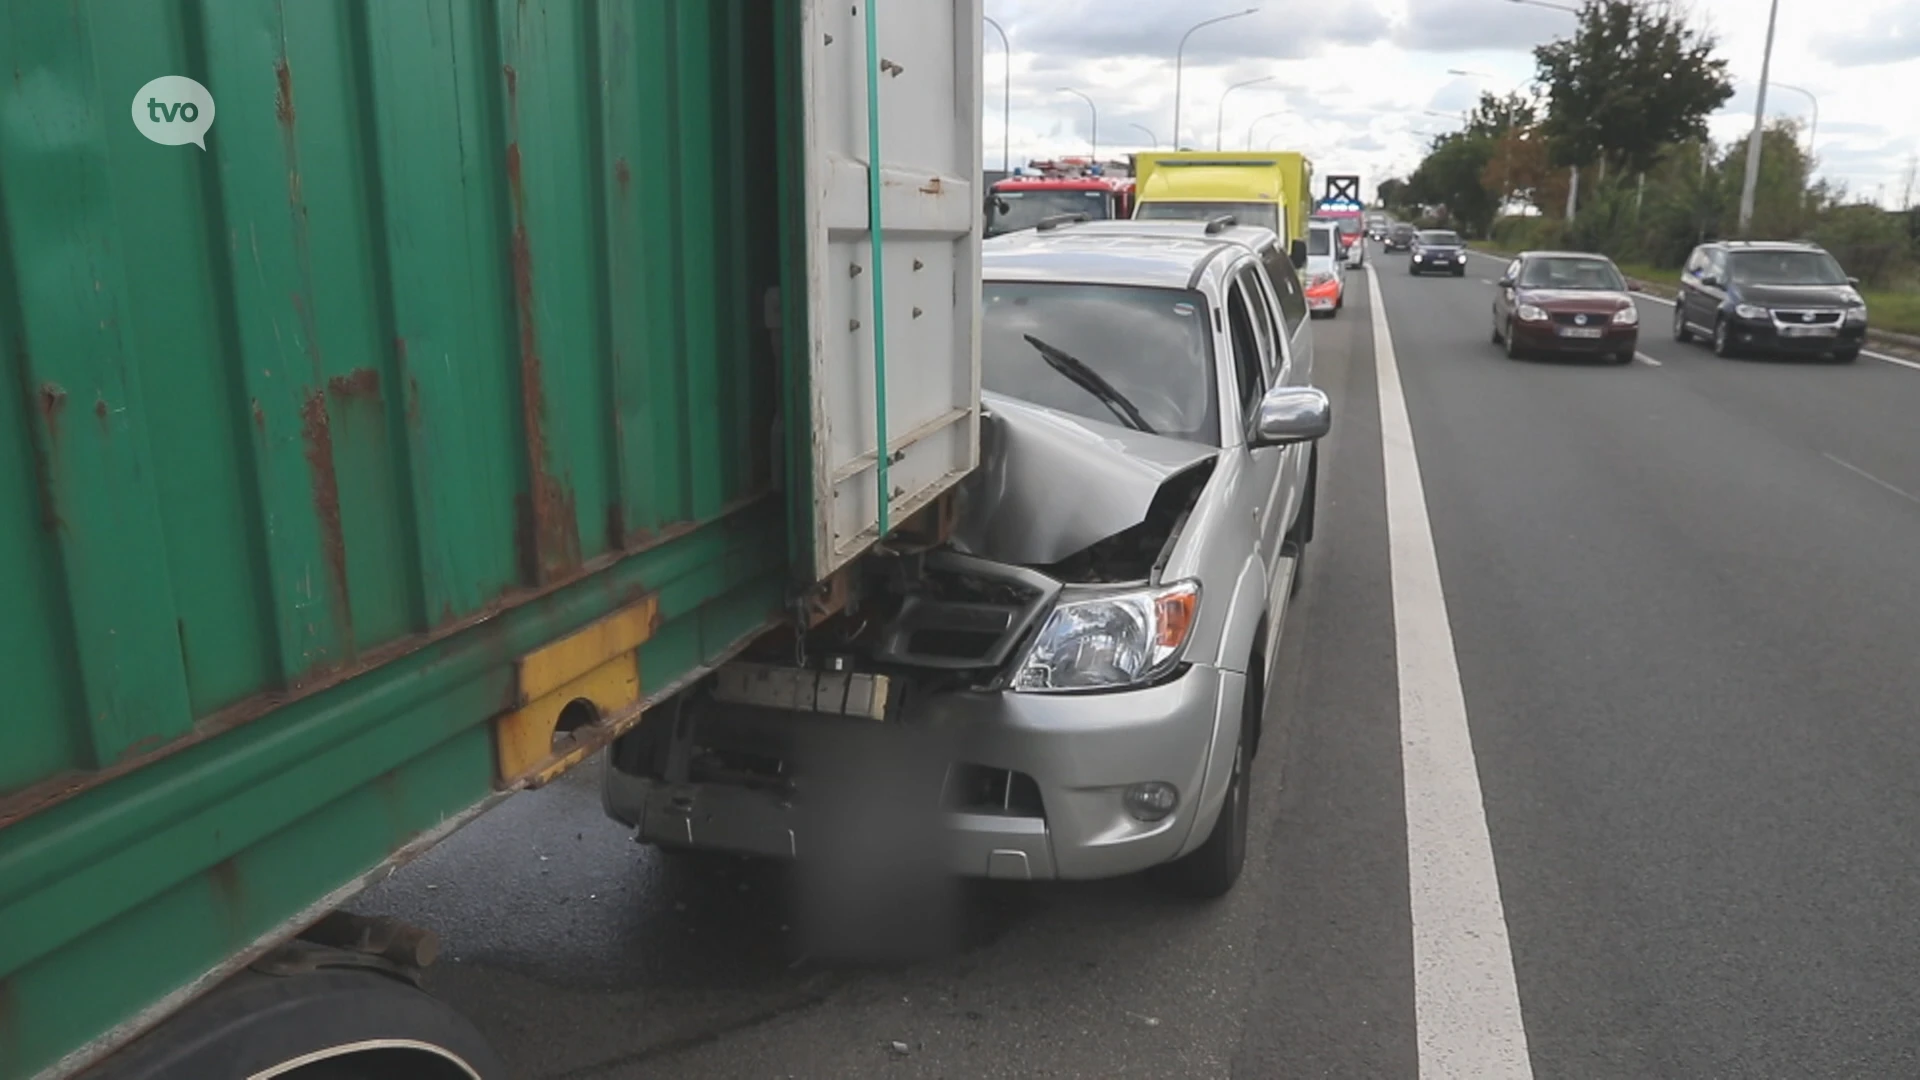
[{"x": 1682, "y": 613}]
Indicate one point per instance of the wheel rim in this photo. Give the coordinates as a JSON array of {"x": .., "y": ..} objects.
[
  {"x": 1720, "y": 339},
  {"x": 1507, "y": 336},
  {"x": 1679, "y": 321}
]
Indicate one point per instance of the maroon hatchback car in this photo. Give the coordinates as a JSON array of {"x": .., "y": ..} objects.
[{"x": 1565, "y": 302}]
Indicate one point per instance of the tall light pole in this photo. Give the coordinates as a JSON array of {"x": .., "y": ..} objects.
[
  {"x": 1220, "y": 118},
  {"x": 1151, "y": 137},
  {"x": 1759, "y": 120},
  {"x": 1006, "y": 99},
  {"x": 1179, "y": 58},
  {"x": 1573, "y": 173},
  {"x": 1256, "y": 123},
  {"x": 1095, "y": 153},
  {"x": 1813, "y": 129}
]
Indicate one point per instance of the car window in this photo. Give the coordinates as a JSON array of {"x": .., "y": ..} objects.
[
  {"x": 1247, "y": 361},
  {"x": 1154, "y": 347},
  {"x": 1267, "y": 324},
  {"x": 1513, "y": 270},
  {"x": 1319, "y": 241},
  {"x": 1023, "y": 209},
  {"x": 1286, "y": 285},
  {"x": 1697, "y": 261},
  {"x": 1571, "y": 272},
  {"x": 1785, "y": 267},
  {"x": 1717, "y": 263},
  {"x": 1441, "y": 237},
  {"x": 1265, "y": 215}
]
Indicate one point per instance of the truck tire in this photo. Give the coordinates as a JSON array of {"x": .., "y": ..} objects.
[
  {"x": 256, "y": 1023},
  {"x": 1209, "y": 871}
]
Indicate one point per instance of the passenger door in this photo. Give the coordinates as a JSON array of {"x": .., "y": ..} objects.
[
  {"x": 1258, "y": 361},
  {"x": 1295, "y": 327},
  {"x": 1693, "y": 290}
]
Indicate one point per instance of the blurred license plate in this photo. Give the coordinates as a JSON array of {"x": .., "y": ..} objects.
[
  {"x": 1580, "y": 331},
  {"x": 1808, "y": 331}
]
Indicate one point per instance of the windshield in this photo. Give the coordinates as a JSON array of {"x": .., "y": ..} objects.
[
  {"x": 1025, "y": 209},
  {"x": 1154, "y": 347},
  {"x": 1319, "y": 241},
  {"x": 1348, "y": 225},
  {"x": 1440, "y": 238},
  {"x": 1265, "y": 215},
  {"x": 1785, "y": 268},
  {"x": 1572, "y": 273}
]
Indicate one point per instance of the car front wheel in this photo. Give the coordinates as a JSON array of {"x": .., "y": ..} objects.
[
  {"x": 1210, "y": 870},
  {"x": 1722, "y": 339},
  {"x": 1680, "y": 332},
  {"x": 1513, "y": 350}
]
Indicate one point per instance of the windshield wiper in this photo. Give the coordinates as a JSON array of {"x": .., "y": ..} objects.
[{"x": 1084, "y": 377}]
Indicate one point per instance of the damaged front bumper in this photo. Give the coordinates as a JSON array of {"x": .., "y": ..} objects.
[{"x": 1034, "y": 786}]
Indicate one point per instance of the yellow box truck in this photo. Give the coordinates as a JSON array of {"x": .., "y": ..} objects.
[{"x": 1272, "y": 189}]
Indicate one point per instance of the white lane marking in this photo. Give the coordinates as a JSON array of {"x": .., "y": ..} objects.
[
  {"x": 1466, "y": 1002},
  {"x": 1865, "y": 475},
  {"x": 1645, "y": 359},
  {"x": 1891, "y": 359}
]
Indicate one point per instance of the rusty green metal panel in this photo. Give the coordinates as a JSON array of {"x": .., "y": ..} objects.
[{"x": 453, "y": 339}]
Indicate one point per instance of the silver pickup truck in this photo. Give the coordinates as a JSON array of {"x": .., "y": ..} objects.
[{"x": 1080, "y": 670}]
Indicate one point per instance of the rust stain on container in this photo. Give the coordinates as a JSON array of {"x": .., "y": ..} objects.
[
  {"x": 259, "y": 417},
  {"x": 358, "y": 383},
  {"x": 317, "y": 432},
  {"x": 230, "y": 895},
  {"x": 52, "y": 398},
  {"x": 100, "y": 409},
  {"x": 616, "y": 525},
  {"x": 283, "y": 96},
  {"x": 622, "y": 174},
  {"x": 931, "y": 187},
  {"x": 554, "y": 532}
]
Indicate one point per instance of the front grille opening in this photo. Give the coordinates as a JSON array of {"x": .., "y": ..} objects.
[
  {"x": 982, "y": 789},
  {"x": 760, "y": 771},
  {"x": 954, "y": 644}
]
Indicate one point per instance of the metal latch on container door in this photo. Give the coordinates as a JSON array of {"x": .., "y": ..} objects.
[{"x": 573, "y": 697}]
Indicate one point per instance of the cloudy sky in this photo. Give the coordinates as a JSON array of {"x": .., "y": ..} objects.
[{"x": 1354, "y": 83}]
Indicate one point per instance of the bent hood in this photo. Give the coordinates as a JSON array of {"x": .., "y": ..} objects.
[{"x": 1051, "y": 484}]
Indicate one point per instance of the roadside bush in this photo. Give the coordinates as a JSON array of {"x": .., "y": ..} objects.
[
  {"x": 1528, "y": 233},
  {"x": 1870, "y": 242}
]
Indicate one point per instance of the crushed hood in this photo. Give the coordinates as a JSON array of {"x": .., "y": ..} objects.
[{"x": 1051, "y": 484}]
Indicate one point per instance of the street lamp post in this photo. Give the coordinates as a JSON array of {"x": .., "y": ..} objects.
[
  {"x": 1151, "y": 137},
  {"x": 1220, "y": 118},
  {"x": 1759, "y": 119},
  {"x": 1006, "y": 99},
  {"x": 1179, "y": 56},
  {"x": 1813, "y": 129},
  {"x": 1095, "y": 113},
  {"x": 1256, "y": 123},
  {"x": 1573, "y": 173}
]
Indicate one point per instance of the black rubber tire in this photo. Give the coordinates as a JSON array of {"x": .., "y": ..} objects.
[
  {"x": 1514, "y": 351},
  {"x": 1497, "y": 338},
  {"x": 1680, "y": 332},
  {"x": 1624, "y": 357},
  {"x": 1459, "y": 271},
  {"x": 1846, "y": 356},
  {"x": 1209, "y": 871},
  {"x": 1722, "y": 340},
  {"x": 1413, "y": 270}
]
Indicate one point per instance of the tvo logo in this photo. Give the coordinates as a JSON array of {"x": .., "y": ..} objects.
[{"x": 173, "y": 110}]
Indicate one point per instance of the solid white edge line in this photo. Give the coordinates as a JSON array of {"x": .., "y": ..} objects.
[
  {"x": 1645, "y": 359},
  {"x": 1883, "y": 357},
  {"x": 1466, "y": 1001}
]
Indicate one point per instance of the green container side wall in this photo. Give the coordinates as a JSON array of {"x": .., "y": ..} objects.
[
  {"x": 460, "y": 301},
  {"x": 453, "y": 340}
]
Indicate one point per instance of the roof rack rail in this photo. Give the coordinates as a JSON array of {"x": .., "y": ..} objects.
[
  {"x": 1221, "y": 223},
  {"x": 1048, "y": 224}
]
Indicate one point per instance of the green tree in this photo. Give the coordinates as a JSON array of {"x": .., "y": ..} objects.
[
  {"x": 1495, "y": 116},
  {"x": 1392, "y": 193},
  {"x": 1635, "y": 77},
  {"x": 1784, "y": 206},
  {"x": 1450, "y": 176}
]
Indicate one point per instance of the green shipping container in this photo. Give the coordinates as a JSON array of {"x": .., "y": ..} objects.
[{"x": 474, "y": 324}]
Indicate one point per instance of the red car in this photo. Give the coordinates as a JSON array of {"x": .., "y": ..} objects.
[{"x": 1565, "y": 302}]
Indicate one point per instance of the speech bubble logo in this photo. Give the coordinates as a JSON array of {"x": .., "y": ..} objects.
[{"x": 173, "y": 110}]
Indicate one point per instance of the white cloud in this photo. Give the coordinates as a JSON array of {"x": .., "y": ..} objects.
[{"x": 1353, "y": 81}]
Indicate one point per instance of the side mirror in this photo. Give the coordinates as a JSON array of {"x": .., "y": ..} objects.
[
  {"x": 1710, "y": 279},
  {"x": 1854, "y": 281},
  {"x": 1289, "y": 415},
  {"x": 1506, "y": 281},
  {"x": 1298, "y": 253}
]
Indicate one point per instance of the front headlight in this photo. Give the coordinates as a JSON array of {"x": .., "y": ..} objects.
[
  {"x": 1110, "y": 641},
  {"x": 1529, "y": 313},
  {"x": 1857, "y": 316},
  {"x": 1627, "y": 316},
  {"x": 1749, "y": 311}
]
